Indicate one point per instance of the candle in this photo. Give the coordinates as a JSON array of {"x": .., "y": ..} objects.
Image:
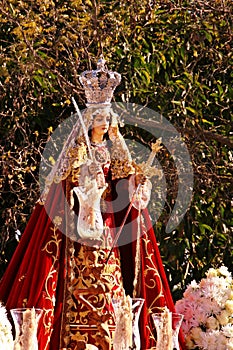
[
  {"x": 165, "y": 337},
  {"x": 168, "y": 328},
  {"x": 29, "y": 329},
  {"x": 123, "y": 333}
]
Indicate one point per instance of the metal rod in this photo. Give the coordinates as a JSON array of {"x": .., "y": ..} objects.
[{"x": 123, "y": 222}]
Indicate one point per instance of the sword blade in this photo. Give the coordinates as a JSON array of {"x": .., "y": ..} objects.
[{"x": 85, "y": 132}]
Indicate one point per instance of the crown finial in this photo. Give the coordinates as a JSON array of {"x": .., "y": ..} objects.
[
  {"x": 101, "y": 63},
  {"x": 99, "y": 84}
]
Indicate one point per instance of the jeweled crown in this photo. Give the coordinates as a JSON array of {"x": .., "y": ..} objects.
[{"x": 99, "y": 84}]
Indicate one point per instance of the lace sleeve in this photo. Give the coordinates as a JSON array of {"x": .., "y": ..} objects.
[{"x": 143, "y": 196}]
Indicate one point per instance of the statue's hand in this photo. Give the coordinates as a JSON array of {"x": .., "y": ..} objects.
[
  {"x": 140, "y": 179},
  {"x": 113, "y": 132}
]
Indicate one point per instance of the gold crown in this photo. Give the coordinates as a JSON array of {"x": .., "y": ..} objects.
[{"x": 99, "y": 84}]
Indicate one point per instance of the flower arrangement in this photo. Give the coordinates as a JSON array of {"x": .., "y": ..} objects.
[
  {"x": 208, "y": 311},
  {"x": 6, "y": 338}
]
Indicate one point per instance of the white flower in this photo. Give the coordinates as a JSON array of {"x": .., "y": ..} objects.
[
  {"x": 228, "y": 331},
  {"x": 211, "y": 273},
  {"x": 208, "y": 311},
  {"x": 6, "y": 338},
  {"x": 223, "y": 270}
]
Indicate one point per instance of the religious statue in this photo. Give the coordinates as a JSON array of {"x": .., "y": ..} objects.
[{"x": 71, "y": 261}]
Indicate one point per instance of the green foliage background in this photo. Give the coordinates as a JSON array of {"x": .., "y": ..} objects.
[{"x": 174, "y": 56}]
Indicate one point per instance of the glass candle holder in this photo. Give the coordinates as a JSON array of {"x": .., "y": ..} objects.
[
  {"x": 26, "y": 326},
  {"x": 167, "y": 337},
  {"x": 137, "y": 304},
  {"x": 121, "y": 343}
]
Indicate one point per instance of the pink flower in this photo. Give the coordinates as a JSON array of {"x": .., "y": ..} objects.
[{"x": 207, "y": 308}]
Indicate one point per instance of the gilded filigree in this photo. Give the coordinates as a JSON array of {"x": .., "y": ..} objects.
[
  {"x": 52, "y": 247},
  {"x": 78, "y": 154},
  {"x": 146, "y": 168},
  {"x": 121, "y": 161},
  {"x": 57, "y": 221},
  {"x": 151, "y": 274},
  {"x": 121, "y": 168},
  {"x": 89, "y": 298},
  {"x": 152, "y": 283}
]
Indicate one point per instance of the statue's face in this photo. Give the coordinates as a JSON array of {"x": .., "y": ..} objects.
[{"x": 101, "y": 123}]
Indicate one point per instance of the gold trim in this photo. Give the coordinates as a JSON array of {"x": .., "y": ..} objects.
[{"x": 52, "y": 247}]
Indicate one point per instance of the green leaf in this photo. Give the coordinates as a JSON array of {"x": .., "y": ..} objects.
[
  {"x": 204, "y": 227},
  {"x": 194, "y": 111},
  {"x": 208, "y": 36}
]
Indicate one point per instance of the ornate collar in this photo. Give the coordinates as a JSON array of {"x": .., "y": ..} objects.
[{"x": 99, "y": 144}]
